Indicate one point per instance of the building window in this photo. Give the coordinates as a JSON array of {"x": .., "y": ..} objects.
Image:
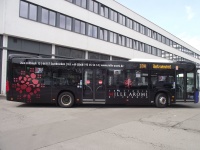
[
  {"x": 142, "y": 29},
  {"x": 111, "y": 37},
  {"x": 104, "y": 11},
  {"x": 83, "y": 3},
  {"x": 136, "y": 26},
  {"x": 45, "y": 16},
  {"x": 105, "y": 35},
  {"x": 92, "y": 31},
  {"x": 93, "y": 55},
  {"x": 23, "y": 9},
  {"x": 171, "y": 43},
  {"x": 52, "y": 18},
  {"x": 96, "y": 7},
  {"x": 159, "y": 53},
  {"x": 129, "y": 23},
  {"x": 149, "y": 32},
  {"x": 129, "y": 42},
  {"x": 135, "y": 44},
  {"x": 148, "y": 49},
  {"x": 113, "y": 15},
  {"x": 115, "y": 38},
  {"x": 68, "y": 23},
  {"x": 141, "y": 46},
  {"x": 91, "y": 5},
  {"x": 154, "y": 35},
  {"x": 78, "y": 2},
  {"x": 163, "y": 39},
  {"x": 77, "y": 26},
  {"x": 89, "y": 30},
  {"x": 154, "y": 51},
  {"x": 82, "y": 27},
  {"x": 159, "y": 37},
  {"x": 62, "y": 22},
  {"x": 123, "y": 40},
  {"x": 167, "y": 41},
  {"x": 33, "y": 12}
]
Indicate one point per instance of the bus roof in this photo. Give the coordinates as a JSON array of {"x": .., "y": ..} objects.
[{"x": 151, "y": 60}]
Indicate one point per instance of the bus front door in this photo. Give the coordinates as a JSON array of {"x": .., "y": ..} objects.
[
  {"x": 94, "y": 85},
  {"x": 185, "y": 87}
]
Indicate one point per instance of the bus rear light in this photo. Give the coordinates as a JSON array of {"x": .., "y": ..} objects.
[{"x": 7, "y": 86}]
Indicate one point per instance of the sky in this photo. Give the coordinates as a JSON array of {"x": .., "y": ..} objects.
[{"x": 179, "y": 17}]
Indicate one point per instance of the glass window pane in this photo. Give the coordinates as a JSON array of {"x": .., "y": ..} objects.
[
  {"x": 131, "y": 43},
  {"x": 94, "y": 32},
  {"x": 82, "y": 28},
  {"x": 124, "y": 20},
  {"x": 52, "y": 18},
  {"x": 96, "y": 8},
  {"x": 120, "y": 19},
  {"x": 91, "y": 4},
  {"x": 123, "y": 41},
  {"x": 111, "y": 15},
  {"x": 105, "y": 35},
  {"x": 62, "y": 21},
  {"x": 127, "y": 42},
  {"x": 111, "y": 37},
  {"x": 68, "y": 23},
  {"x": 101, "y": 34},
  {"x": 83, "y": 3},
  {"x": 78, "y": 2},
  {"x": 115, "y": 16},
  {"x": 89, "y": 30},
  {"x": 106, "y": 12},
  {"x": 23, "y": 9},
  {"x": 120, "y": 40},
  {"x": 102, "y": 11},
  {"x": 45, "y": 16},
  {"x": 33, "y": 12},
  {"x": 77, "y": 26},
  {"x": 115, "y": 38}
]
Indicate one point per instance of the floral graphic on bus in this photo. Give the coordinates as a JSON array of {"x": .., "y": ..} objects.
[
  {"x": 28, "y": 85},
  {"x": 128, "y": 83}
]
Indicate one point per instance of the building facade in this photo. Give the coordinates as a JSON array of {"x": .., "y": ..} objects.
[{"x": 87, "y": 29}]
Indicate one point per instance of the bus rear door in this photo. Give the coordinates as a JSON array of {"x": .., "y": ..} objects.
[{"x": 94, "y": 81}]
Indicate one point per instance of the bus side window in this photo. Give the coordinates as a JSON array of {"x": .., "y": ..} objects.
[{"x": 115, "y": 78}]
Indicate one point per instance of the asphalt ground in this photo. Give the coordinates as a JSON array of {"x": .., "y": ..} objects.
[{"x": 98, "y": 127}]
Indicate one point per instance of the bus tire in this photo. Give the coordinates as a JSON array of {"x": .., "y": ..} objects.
[
  {"x": 66, "y": 100},
  {"x": 161, "y": 100}
]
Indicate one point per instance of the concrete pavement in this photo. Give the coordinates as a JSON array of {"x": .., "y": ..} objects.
[{"x": 48, "y": 127}]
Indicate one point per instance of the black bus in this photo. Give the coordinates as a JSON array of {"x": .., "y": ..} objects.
[{"x": 66, "y": 82}]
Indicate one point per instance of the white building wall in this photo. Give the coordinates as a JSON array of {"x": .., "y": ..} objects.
[
  {"x": 13, "y": 25},
  {"x": 19, "y": 27}
]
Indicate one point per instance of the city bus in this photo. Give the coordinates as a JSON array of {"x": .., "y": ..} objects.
[{"x": 68, "y": 82}]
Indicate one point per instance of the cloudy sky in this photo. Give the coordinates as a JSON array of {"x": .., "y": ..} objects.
[{"x": 179, "y": 17}]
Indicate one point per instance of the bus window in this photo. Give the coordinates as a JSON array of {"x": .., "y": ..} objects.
[
  {"x": 190, "y": 85},
  {"x": 63, "y": 76},
  {"x": 162, "y": 78},
  {"x": 136, "y": 78},
  {"x": 127, "y": 78},
  {"x": 115, "y": 78}
]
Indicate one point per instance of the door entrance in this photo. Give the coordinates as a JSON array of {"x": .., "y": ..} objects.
[
  {"x": 185, "y": 88},
  {"x": 94, "y": 89}
]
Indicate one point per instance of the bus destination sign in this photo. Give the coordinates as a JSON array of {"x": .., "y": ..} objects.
[{"x": 160, "y": 66}]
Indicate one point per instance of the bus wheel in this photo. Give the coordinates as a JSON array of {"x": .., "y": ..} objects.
[
  {"x": 161, "y": 100},
  {"x": 66, "y": 100}
]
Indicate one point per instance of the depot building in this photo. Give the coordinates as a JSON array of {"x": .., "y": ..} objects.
[{"x": 86, "y": 29}]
